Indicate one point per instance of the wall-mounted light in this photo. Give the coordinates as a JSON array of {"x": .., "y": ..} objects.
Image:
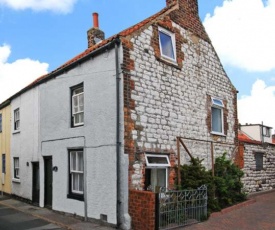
[
  {"x": 27, "y": 164},
  {"x": 55, "y": 168}
]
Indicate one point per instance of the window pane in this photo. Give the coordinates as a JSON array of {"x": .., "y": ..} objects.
[
  {"x": 81, "y": 183},
  {"x": 75, "y": 181},
  {"x": 158, "y": 178},
  {"x": 73, "y": 161},
  {"x": 166, "y": 45},
  {"x": 81, "y": 102},
  {"x": 80, "y": 162},
  {"x": 259, "y": 161},
  {"x": 216, "y": 120},
  {"x": 217, "y": 102},
  {"x": 75, "y": 104},
  {"x": 161, "y": 177},
  {"x": 157, "y": 160},
  {"x": 81, "y": 117}
]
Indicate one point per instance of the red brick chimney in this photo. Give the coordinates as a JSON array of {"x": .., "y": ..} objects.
[
  {"x": 189, "y": 6},
  {"x": 95, "y": 35}
]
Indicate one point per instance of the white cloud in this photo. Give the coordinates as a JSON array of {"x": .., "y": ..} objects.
[
  {"x": 259, "y": 106},
  {"x": 62, "y": 6},
  {"x": 242, "y": 33},
  {"x": 17, "y": 75}
]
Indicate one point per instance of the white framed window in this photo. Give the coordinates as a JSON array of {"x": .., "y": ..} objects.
[
  {"x": 266, "y": 131},
  {"x": 78, "y": 106},
  {"x": 217, "y": 116},
  {"x": 16, "y": 174},
  {"x": 17, "y": 119},
  {"x": 167, "y": 44},
  {"x": 76, "y": 172},
  {"x": 154, "y": 160},
  {"x": 156, "y": 172}
]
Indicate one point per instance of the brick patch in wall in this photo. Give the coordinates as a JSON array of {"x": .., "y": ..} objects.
[{"x": 142, "y": 209}]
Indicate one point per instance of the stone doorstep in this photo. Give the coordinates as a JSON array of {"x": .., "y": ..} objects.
[{"x": 233, "y": 208}]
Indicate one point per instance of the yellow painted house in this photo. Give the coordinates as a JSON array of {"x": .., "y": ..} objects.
[{"x": 5, "y": 136}]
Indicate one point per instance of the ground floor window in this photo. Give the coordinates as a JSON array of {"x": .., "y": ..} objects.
[
  {"x": 76, "y": 174},
  {"x": 16, "y": 167},
  {"x": 259, "y": 161},
  {"x": 156, "y": 173},
  {"x": 156, "y": 178}
]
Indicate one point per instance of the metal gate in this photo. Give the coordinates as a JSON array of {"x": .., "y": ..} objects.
[{"x": 180, "y": 208}]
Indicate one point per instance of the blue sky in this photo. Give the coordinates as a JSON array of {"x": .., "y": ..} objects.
[{"x": 37, "y": 36}]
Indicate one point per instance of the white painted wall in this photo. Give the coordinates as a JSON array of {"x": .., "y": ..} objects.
[
  {"x": 24, "y": 142},
  {"x": 98, "y": 135},
  {"x": 255, "y": 131}
]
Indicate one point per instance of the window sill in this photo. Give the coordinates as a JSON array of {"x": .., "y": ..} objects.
[
  {"x": 77, "y": 126},
  {"x": 218, "y": 134},
  {"x": 16, "y": 131},
  {"x": 76, "y": 196},
  {"x": 16, "y": 180}
]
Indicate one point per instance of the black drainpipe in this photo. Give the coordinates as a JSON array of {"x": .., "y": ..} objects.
[{"x": 118, "y": 142}]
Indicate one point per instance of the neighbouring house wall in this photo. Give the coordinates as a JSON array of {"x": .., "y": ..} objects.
[
  {"x": 253, "y": 131},
  {"x": 142, "y": 209},
  {"x": 24, "y": 142},
  {"x": 5, "y": 136},
  {"x": 166, "y": 101},
  {"x": 97, "y": 137},
  {"x": 262, "y": 180}
]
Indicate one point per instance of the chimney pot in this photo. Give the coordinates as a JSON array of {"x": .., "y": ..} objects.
[{"x": 95, "y": 19}]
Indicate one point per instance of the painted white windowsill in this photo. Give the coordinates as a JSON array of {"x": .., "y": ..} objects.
[
  {"x": 16, "y": 131},
  {"x": 16, "y": 180},
  {"x": 218, "y": 134}
]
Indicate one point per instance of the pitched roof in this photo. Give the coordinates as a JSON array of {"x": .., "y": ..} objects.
[
  {"x": 92, "y": 49},
  {"x": 244, "y": 137}
]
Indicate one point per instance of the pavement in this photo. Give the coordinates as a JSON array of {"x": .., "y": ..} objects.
[
  {"x": 64, "y": 221},
  {"x": 258, "y": 213}
]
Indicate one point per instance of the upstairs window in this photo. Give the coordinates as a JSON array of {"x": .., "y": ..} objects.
[
  {"x": 16, "y": 167},
  {"x": 0, "y": 122},
  {"x": 167, "y": 44},
  {"x": 266, "y": 132},
  {"x": 77, "y": 106},
  {"x": 76, "y": 176},
  {"x": 217, "y": 116},
  {"x": 17, "y": 119}
]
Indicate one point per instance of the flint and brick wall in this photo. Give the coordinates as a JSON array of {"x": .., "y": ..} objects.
[
  {"x": 261, "y": 180},
  {"x": 164, "y": 100}
]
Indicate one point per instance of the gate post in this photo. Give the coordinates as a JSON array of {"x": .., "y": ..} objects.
[{"x": 156, "y": 211}]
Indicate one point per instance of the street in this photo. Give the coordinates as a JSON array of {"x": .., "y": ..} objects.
[{"x": 11, "y": 219}]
